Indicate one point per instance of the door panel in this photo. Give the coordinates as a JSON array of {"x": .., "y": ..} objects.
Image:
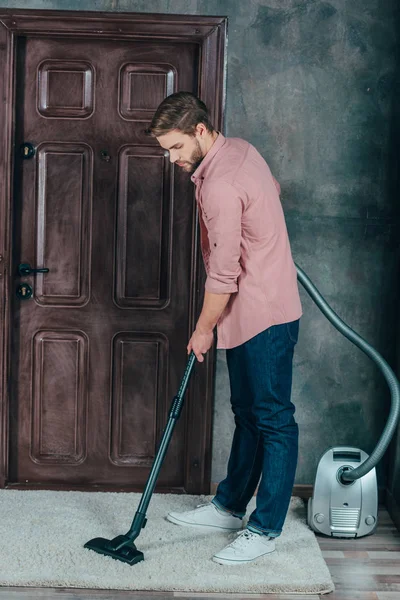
[
  {"x": 62, "y": 220},
  {"x": 59, "y": 402},
  {"x": 144, "y": 173},
  {"x": 134, "y": 430},
  {"x": 99, "y": 349}
]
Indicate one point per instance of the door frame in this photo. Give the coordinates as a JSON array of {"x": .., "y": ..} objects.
[{"x": 210, "y": 34}]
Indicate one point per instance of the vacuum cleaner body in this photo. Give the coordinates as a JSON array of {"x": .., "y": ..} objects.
[{"x": 346, "y": 510}]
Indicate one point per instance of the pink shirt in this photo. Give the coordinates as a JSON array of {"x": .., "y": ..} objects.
[{"x": 244, "y": 241}]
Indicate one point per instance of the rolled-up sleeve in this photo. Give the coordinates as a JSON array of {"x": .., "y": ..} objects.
[{"x": 222, "y": 208}]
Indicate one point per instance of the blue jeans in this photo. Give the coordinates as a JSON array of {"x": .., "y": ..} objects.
[{"x": 265, "y": 442}]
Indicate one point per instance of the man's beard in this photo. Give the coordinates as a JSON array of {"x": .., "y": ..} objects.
[{"x": 195, "y": 159}]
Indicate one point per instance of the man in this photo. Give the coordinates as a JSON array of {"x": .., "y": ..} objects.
[{"x": 251, "y": 295}]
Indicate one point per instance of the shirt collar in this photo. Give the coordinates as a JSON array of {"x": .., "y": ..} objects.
[{"x": 200, "y": 172}]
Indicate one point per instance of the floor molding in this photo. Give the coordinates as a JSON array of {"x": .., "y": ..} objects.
[{"x": 302, "y": 491}]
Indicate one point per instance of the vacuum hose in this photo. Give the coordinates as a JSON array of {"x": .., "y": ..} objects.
[{"x": 391, "y": 379}]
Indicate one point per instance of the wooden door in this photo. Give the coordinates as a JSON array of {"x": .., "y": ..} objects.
[{"x": 98, "y": 350}]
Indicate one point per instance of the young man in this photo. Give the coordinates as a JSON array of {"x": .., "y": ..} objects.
[{"x": 251, "y": 295}]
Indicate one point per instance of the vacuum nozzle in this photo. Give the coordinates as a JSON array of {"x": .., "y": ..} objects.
[{"x": 120, "y": 548}]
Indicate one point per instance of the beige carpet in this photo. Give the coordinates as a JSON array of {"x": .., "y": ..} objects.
[{"x": 42, "y": 534}]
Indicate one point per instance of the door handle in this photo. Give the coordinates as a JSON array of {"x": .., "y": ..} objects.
[{"x": 25, "y": 269}]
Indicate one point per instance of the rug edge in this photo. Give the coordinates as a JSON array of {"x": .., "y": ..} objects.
[{"x": 274, "y": 590}]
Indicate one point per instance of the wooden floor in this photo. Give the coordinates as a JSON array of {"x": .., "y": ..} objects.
[{"x": 363, "y": 569}]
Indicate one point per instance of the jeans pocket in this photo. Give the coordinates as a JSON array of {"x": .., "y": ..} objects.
[{"x": 292, "y": 329}]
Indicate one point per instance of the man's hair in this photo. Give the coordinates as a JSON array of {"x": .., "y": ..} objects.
[{"x": 181, "y": 111}]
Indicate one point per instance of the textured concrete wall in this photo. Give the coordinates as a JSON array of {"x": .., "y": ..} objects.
[
  {"x": 310, "y": 84},
  {"x": 394, "y": 464}
]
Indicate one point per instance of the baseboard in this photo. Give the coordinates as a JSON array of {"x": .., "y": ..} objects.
[
  {"x": 302, "y": 491},
  {"x": 393, "y": 508}
]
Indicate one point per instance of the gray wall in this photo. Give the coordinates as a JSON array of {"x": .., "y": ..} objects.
[
  {"x": 310, "y": 84},
  {"x": 393, "y": 498}
]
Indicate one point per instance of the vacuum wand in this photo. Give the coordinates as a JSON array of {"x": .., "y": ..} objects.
[{"x": 122, "y": 547}]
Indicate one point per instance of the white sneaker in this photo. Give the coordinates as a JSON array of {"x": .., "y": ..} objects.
[
  {"x": 247, "y": 547},
  {"x": 207, "y": 517}
]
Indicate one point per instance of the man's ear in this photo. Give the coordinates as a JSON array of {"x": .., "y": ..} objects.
[{"x": 201, "y": 129}]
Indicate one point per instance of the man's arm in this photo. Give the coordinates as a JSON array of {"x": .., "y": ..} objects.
[
  {"x": 202, "y": 338},
  {"x": 213, "y": 307},
  {"x": 222, "y": 214}
]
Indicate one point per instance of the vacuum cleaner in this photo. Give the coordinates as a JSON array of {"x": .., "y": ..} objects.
[
  {"x": 345, "y": 496},
  {"x": 345, "y": 500}
]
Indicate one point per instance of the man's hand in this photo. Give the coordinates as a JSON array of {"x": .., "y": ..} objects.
[{"x": 200, "y": 343}]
